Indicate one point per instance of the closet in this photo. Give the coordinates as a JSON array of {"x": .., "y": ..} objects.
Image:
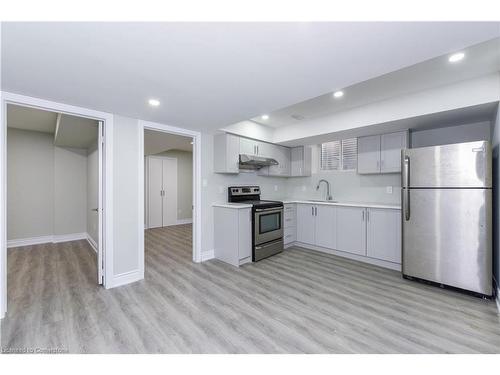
[{"x": 162, "y": 191}]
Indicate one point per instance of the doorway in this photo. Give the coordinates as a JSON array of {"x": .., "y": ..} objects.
[
  {"x": 66, "y": 218},
  {"x": 171, "y": 196}
]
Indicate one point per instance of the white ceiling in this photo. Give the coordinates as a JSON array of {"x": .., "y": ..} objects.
[
  {"x": 69, "y": 131},
  {"x": 33, "y": 119},
  {"x": 156, "y": 142},
  {"x": 481, "y": 59},
  {"x": 210, "y": 75},
  {"x": 76, "y": 132}
]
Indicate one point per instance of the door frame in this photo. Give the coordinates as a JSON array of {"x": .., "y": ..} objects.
[
  {"x": 197, "y": 204},
  {"x": 107, "y": 224}
]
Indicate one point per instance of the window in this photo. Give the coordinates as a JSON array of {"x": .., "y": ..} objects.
[{"x": 339, "y": 155}]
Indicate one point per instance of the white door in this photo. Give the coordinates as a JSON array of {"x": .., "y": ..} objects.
[
  {"x": 369, "y": 154},
  {"x": 169, "y": 191},
  {"x": 351, "y": 230},
  {"x": 326, "y": 226},
  {"x": 390, "y": 154},
  {"x": 100, "y": 204},
  {"x": 155, "y": 192},
  {"x": 383, "y": 234},
  {"x": 305, "y": 223},
  {"x": 248, "y": 146}
]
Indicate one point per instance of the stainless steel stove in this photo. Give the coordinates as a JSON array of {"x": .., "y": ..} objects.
[{"x": 267, "y": 220}]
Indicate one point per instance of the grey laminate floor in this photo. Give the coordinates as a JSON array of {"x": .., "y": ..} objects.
[{"x": 296, "y": 302}]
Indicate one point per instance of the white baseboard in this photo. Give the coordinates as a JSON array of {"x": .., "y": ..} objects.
[
  {"x": 46, "y": 239},
  {"x": 184, "y": 221},
  {"x": 360, "y": 258},
  {"x": 207, "y": 255},
  {"x": 69, "y": 237},
  {"x": 29, "y": 241},
  {"x": 91, "y": 242},
  {"x": 124, "y": 278}
]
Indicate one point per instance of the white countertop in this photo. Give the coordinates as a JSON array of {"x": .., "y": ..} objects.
[
  {"x": 305, "y": 201},
  {"x": 349, "y": 204},
  {"x": 232, "y": 205}
]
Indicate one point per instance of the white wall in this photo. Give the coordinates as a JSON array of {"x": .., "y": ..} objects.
[
  {"x": 479, "y": 131},
  {"x": 495, "y": 141},
  {"x": 47, "y": 186},
  {"x": 93, "y": 192},
  {"x": 70, "y": 190},
  {"x": 30, "y": 184},
  {"x": 127, "y": 218}
]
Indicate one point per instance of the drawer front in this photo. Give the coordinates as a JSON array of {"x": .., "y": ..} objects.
[
  {"x": 290, "y": 207},
  {"x": 290, "y": 235},
  {"x": 290, "y": 219}
]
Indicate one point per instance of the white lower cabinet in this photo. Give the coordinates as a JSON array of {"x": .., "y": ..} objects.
[
  {"x": 316, "y": 225},
  {"x": 326, "y": 224},
  {"x": 306, "y": 223},
  {"x": 384, "y": 234},
  {"x": 370, "y": 233},
  {"x": 351, "y": 230}
]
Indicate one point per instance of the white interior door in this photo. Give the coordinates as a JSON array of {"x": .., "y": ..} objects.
[
  {"x": 100, "y": 205},
  {"x": 155, "y": 192},
  {"x": 170, "y": 191}
]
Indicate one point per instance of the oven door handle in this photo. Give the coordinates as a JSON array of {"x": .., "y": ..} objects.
[{"x": 277, "y": 209}]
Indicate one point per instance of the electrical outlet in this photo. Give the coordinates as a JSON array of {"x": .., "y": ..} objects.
[
  {"x": 205, "y": 182},
  {"x": 221, "y": 189},
  {"x": 304, "y": 188},
  {"x": 275, "y": 187},
  {"x": 388, "y": 189}
]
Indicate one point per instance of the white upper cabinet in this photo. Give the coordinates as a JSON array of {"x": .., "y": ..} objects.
[
  {"x": 369, "y": 154},
  {"x": 381, "y": 153},
  {"x": 390, "y": 151},
  {"x": 300, "y": 161},
  {"x": 248, "y": 146},
  {"x": 351, "y": 230},
  {"x": 226, "y": 153},
  {"x": 384, "y": 234},
  {"x": 282, "y": 155}
]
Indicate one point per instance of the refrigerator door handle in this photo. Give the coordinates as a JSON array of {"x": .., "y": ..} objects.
[{"x": 406, "y": 187}]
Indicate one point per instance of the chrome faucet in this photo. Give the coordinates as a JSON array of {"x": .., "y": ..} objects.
[{"x": 328, "y": 196}]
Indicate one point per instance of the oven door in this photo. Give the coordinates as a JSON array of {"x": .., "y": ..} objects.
[{"x": 268, "y": 224}]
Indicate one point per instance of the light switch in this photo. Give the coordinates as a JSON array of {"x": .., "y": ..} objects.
[
  {"x": 388, "y": 189},
  {"x": 204, "y": 182}
]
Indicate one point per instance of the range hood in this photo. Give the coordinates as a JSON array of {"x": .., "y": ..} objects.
[{"x": 248, "y": 161}]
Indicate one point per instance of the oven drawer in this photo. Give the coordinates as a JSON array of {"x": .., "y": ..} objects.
[{"x": 290, "y": 235}]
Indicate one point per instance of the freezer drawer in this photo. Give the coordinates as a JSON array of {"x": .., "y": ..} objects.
[
  {"x": 452, "y": 166},
  {"x": 447, "y": 237}
]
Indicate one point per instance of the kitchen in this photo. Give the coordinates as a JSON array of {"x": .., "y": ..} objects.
[{"x": 342, "y": 195}]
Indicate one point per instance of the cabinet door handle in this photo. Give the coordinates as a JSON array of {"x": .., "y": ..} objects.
[
  {"x": 363, "y": 215},
  {"x": 315, "y": 211},
  {"x": 312, "y": 210}
]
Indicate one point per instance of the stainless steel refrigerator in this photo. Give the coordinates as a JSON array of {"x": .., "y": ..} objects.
[{"x": 447, "y": 215}]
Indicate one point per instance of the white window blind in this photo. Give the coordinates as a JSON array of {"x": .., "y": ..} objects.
[
  {"x": 339, "y": 155},
  {"x": 349, "y": 154},
  {"x": 330, "y": 155}
]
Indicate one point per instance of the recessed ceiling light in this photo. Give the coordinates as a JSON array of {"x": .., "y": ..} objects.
[
  {"x": 191, "y": 143},
  {"x": 338, "y": 94},
  {"x": 456, "y": 57},
  {"x": 264, "y": 117},
  {"x": 154, "y": 102}
]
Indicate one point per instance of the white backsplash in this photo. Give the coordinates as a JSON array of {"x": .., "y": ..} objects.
[{"x": 347, "y": 186}]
